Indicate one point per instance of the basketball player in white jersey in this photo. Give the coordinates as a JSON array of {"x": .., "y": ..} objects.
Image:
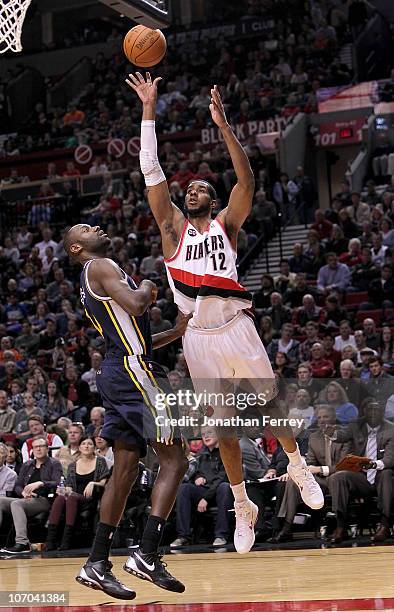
[{"x": 221, "y": 344}]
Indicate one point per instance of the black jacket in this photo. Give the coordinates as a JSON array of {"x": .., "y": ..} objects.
[
  {"x": 51, "y": 472},
  {"x": 377, "y": 294},
  {"x": 210, "y": 466}
]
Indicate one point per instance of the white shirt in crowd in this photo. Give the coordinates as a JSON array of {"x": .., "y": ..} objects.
[{"x": 340, "y": 343}]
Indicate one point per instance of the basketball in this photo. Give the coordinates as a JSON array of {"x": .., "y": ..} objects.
[{"x": 144, "y": 47}]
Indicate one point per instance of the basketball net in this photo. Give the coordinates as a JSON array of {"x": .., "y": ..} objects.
[{"x": 12, "y": 15}]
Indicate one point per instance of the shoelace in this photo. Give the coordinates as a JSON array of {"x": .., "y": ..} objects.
[
  {"x": 108, "y": 569},
  {"x": 306, "y": 474},
  {"x": 242, "y": 513}
]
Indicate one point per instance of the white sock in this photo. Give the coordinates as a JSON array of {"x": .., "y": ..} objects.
[
  {"x": 239, "y": 492},
  {"x": 294, "y": 457}
]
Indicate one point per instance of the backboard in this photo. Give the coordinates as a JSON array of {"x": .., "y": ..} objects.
[{"x": 151, "y": 13}]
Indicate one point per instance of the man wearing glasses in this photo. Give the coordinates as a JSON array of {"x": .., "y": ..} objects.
[{"x": 36, "y": 478}]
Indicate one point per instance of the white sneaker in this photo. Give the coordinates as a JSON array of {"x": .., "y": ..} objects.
[
  {"x": 311, "y": 493},
  {"x": 246, "y": 513}
]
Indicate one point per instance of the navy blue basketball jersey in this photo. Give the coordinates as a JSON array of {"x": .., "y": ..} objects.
[{"x": 124, "y": 334}]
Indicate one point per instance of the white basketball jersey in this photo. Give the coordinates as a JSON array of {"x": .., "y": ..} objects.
[{"x": 203, "y": 276}]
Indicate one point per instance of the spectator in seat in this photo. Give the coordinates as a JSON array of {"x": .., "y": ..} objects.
[
  {"x": 360, "y": 343},
  {"x": 262, "y": 297},
  {"x": 29, "y": 407},
  {"x": 286, "y": 279},
  {"x": 372, "y": 338},
  {"x": 379, "y": 251},
  {"x": 90, "y": 376},
  {"x": 148, "y": 263},
  {"x": 350, "y": 228},
  {"x": 266, "y": 330},
  {"x": 358, "y": 211},
  {"x": 7, "y": 475},
  {"x": 7, "y": 415},
  {"x": 386, "y": 346},
  {"x": 306, "y": 381},
  {"x": 372, "y": 437},
  {"x": 334, "y": 312},
  {"x": 284, "y": 194},
  {"x": 353, "y": 386},
  {"x": 321, "y": 367},
  {"x": 27, "y": 340},
  {"x": 57, "y": 405},
  {"x": 37, "y": 430},
  {"x": 330, "y": 353},
  {"x": 88, "y": 471},
  {"x": 285, "y": 344},
  {"x": 281, "y": 366},
  {"x": 309, "y": 311},
  {"x": 353, "y": 256},
  {"x": 96, "y": 420},
  {"x": 37, "y": 478},
  {"x": 322, "y": 456},
  {"x": 294, "y": 297},
  {"x": 387, "y": 232},
  {"x": 70, "y": 451},
  {"x": 303, "y": 408},
  {"x": 278, "y": 313},
  {"x": 184, "y": 176},
  {"x": 322, "y": 226},
  {"x": 337, "y": 242},
  {"x": 333, "y": 276},
  {"x": 364, "y": 272},
  {"x": 345, "y": 336},
  {"x": 14, "y": 457},
  {"x": 335, "y": 396},
  {"x": 366, "y": 354},
  {"x": 103, "y": 449},
  {"x": 312, "y": 336},
  {"x": 264, "y": 213},
  {"x": 299, "y": 262},
  {"x": 381, "y": 290},
  {"x": 75, "y": 390},
  {"x": 380, "y": 385},
  {"x": 209, "y": 485}
]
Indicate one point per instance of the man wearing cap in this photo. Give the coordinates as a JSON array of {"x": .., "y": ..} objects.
[
  {"x": 36, "y": 427},
  {"x": 366, "y": 354}
]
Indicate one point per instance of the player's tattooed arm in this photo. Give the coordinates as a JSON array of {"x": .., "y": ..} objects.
[
  {"x": 107, "y": 280},
  {"x": 241, "y": 197},
  {"x": 166, "y": 337}
]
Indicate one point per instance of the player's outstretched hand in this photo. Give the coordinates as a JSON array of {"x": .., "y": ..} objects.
[
  {"x": 146, "y": 89},
  {"x": 217, "y": 109}
]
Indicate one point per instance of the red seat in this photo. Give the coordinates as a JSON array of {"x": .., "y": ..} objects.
[
  {"x": 369, "y": 314},
  {"x": 8, "y": 437},
  {"x": 356, "y": 298}
]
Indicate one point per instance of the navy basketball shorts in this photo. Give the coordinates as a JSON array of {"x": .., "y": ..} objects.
[{"x": 134, "y": 394}]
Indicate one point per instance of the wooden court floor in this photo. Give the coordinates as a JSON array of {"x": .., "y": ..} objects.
[{"x": 270, "y": 581}]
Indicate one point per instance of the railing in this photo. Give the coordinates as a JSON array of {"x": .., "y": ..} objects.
[{"x": 256, "y": 248}]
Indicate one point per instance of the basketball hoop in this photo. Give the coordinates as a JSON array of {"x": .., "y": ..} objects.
[{"x": 12, "y": 15}]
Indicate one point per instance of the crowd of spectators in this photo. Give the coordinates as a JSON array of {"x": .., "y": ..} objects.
[{"x": 275, "y": 72}]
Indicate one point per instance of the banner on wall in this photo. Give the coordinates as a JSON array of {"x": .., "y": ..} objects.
[
  {"x": 244, "y": 130},
  {"x": 246, "y": 27}
]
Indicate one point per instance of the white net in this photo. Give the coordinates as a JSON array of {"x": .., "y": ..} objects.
[{"x": 12, "y": 15}]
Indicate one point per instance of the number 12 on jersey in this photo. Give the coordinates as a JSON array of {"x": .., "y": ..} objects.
[{"x": 219, "y": 261}]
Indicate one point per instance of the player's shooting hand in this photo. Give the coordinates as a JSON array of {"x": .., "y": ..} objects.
[
  {"x": 217, "y": 109},
  {"x": 146, "y": 89}
]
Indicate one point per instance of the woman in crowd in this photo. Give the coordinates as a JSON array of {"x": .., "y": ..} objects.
[
  {"x": 57, "y": 404},
  {"x": 266, "y": 330},
  {"x": 38, "y": 320},
  {"x": 335, "y": 396},
  {"x": 337, "y": 242},
  {"x": 386, "y": 348},
  {"x": 88, "y": 471},
  {"x": 387, "y": 232},
  {"x": 281, "y": 366}
]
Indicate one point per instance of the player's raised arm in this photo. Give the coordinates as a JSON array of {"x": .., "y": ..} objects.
[
  {"x": 107, "y": 280},
  {"x": 168, "y": 217},
  {"x": 240, "y": 202}
]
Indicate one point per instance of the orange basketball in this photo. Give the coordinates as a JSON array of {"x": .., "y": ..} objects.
[{"x": 144, "y": 47}]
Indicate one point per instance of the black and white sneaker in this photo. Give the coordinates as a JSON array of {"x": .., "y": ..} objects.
[
  {"x": 17, "y": 549},
  {"x": 151, "y": 567},
  {"x": 98, "y": 576}
]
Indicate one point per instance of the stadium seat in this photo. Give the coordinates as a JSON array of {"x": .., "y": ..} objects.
[
  {"x": 369, "y": 314},
  {"x": 356, "y": 298}
]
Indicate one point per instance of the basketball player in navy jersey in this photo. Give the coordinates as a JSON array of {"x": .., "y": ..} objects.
[
  {"x": 128, "y": 381},
  {"x": 221, "y": 344}
]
